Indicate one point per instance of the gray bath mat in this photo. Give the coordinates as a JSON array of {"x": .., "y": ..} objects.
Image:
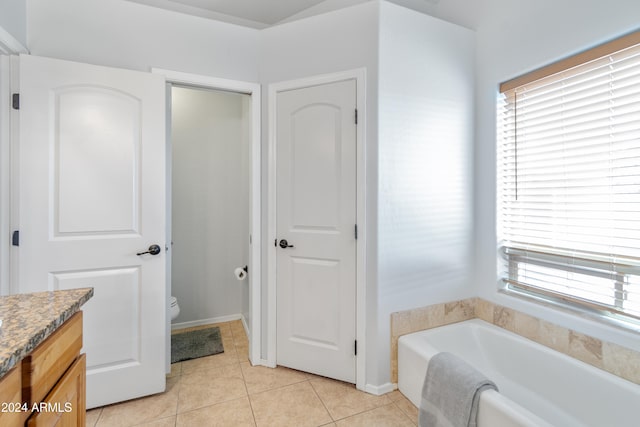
[{"x": 194, "y": 344}]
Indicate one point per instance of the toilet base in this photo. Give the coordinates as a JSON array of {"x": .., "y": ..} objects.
[{"x": 175, "y": 308}]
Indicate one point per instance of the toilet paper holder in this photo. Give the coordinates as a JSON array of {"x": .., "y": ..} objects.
[{"x": 241, "y": 273}]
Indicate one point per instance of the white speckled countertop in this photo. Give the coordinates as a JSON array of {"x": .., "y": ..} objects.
[{"x": 28, "y": 319}]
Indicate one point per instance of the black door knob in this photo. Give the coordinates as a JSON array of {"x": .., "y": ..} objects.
[
  {"x": 153, "y": 250},
  {"x": 284, "y": 244}
]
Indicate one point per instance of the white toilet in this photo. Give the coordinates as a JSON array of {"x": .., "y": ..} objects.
[{"x": 175, "y": 308}]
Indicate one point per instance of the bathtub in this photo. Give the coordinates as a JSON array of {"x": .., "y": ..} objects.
[{"x": 537, "y": 386}]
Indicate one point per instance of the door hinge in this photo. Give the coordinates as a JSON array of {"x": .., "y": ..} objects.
[
  {"x": 355, "y": 231},
  {"x": 15, "y": 101},
  {"x": 355, "y": 348},
  {"x": 356, "y": 116},
  {"x": 15, "y": 238}
]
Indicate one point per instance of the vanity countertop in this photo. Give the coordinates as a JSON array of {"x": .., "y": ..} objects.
[{"x": 28, "y": 319}]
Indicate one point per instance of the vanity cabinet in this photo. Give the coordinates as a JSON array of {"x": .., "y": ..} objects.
[
  {"x": 42, "y": 373},
  {"x": 48, "y": 387},
  {"x": 11, "y": 398},
  {"x": 53, "y": 378},
  {"x": 65, "y": 404}
]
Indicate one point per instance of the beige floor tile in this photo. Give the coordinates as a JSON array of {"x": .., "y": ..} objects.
[
  {"x": 211, "y": 386},
  {"x": 394, "y": 395},
  {"x": 228, "y": 346},
  {"x": 295, "y": 405},
  {"x": 210, "y": 362},
  {"x": 239, "y": 333},
  {"x": 313, "y": 376},
  {"x": 384, "y": 416},
  {"x": 234, "y": 413},
  {"x": 242, "y": 352},
  {"x": 261, "y": 378},
  {"x": 240, "y": 338},
  {"x": 236, "y": 325},
  {"x": 225, "y": 329},
  {"x": 164, "y": 422},
  {"x": 408, "y": 408},
  {"x": 142, "y": 410},
  {"x": 241, "y": 343},
  {"x": 343, "y": 400},
  {"x": 91, "y": 418},
  {"x": 213, "y": 391},
  {"x": 176, "y": 370}
]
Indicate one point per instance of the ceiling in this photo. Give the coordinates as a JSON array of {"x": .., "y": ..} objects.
[
  {"x": 266, "y": 13},
  {"x": 250, "y": 13}
]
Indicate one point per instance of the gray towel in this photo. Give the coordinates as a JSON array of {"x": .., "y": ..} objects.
[{"x": 451, "y": 392}]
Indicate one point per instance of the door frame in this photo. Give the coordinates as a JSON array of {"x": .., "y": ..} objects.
[
  {"x": 359, "y": 75},
  {"x": 9, "y": 173},
  {"x": 6, "y": 170},
  {"x": 254, "y": 90}
]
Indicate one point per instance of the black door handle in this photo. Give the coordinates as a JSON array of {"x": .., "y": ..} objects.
[
  {"x": 284, "y": 244},
  {"x": 153, "y": 250}
]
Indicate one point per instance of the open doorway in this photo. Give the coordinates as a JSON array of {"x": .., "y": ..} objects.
[
  {"x": 213, "y": 159},
  {"x": 210, "y": 131}
]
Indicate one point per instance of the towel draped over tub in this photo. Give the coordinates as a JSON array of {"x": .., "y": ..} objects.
[{"x": 451, "y": 392}]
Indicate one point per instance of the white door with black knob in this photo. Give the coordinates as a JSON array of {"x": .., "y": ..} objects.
[
  {"x": 315, "y": 229},
  {"x": 92, "y": 212}
]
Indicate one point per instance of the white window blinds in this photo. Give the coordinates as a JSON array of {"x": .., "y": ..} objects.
[{"x": 569, "y": 183}]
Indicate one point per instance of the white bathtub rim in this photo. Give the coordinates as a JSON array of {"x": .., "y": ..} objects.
[
  {"x": 497, "y": 410},
  {"x": 410, "y": 340},
  {"x": 413, "y": 349},
  {"x": 494, "y": 409}
]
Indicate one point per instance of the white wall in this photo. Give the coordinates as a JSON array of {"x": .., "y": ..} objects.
[
  {"x": 519, "y": 36},
  {"x": 426, "y": 95},
  {"x": 210, "y": 206},
  {"x": 123, "y": 34},
  {"x": 342, "y": 40},
  {"x": 336, "y": 41},
  {"x": 13, "y": 19},
  {"x": 513, "y": 37}
]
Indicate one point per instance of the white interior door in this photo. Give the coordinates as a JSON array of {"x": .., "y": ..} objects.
[
  {"x": 92, "y": 195},
  {"x": 316, "y": 216}
]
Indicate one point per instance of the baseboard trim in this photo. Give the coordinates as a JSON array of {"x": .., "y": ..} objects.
[
  {"x": 264, "y": 362},
  {"x": 245, "y": 326},
  {"x": 209, "y": 321},
  {"x": 379, "y": 390}
]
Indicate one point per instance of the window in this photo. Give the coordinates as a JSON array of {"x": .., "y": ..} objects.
[{"x": 569, "y": 181}]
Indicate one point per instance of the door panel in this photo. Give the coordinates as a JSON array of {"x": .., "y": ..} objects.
[
  {"x": 315, "y": 148},
  {"x": 316, "y": 288},
  {"x": 316, "y": 214},
  {"x": 119, "y": 343},
  {"x": 102, "y": 202},
  {"x": 92, "y": 195}
]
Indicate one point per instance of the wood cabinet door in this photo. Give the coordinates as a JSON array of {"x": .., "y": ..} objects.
[
  {"x": 65, "y": 406},
  {"x": 11, "y": 413}
]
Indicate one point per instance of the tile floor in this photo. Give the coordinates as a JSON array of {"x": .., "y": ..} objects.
[{"x": 225, "y": 390}]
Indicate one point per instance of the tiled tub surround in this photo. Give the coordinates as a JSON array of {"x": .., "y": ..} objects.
[
  {"x": 28, "y": 319},
  {"x": 610, "y": 357}
]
